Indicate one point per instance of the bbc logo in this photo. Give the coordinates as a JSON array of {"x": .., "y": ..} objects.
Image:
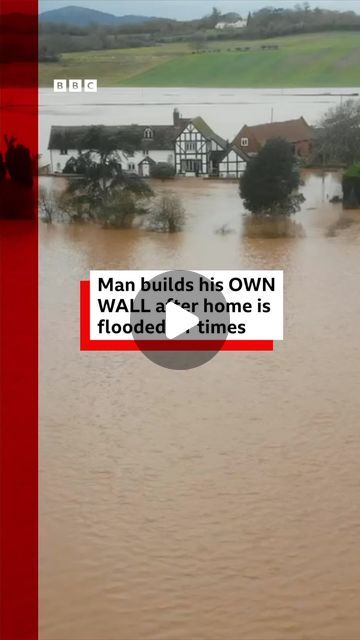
[{"x": 75, "y": 86}]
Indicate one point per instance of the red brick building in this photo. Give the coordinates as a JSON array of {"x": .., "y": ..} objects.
[{"x": 297, "y": 132}]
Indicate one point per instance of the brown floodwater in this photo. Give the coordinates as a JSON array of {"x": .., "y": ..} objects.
[{"x": 219, "y": 503}]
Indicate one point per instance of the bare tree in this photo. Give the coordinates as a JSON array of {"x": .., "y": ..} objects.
[
  {"x": 47, "y": 205},
  {"x": 167, "y": 214},
  {"x": 338, "y": 137}
]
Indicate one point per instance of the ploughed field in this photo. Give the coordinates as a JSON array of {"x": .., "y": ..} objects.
[{"x": 310, "y": 60}]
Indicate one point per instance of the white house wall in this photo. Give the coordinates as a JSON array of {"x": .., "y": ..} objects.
[
  {"x": 232, "y": 166},
  {"x": 59, "y": 160},
  {"x": 192, "y": 136},
  {"x": 166, "y": 155},
  {"x": 214, "y": 146}
]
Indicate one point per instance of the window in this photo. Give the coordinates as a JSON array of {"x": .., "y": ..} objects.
[
  {"x": 58, "y": 166},
  {"x": 148, "y": 133},
  {"x": 131, "y": 166},
  {"x": 244, "y": 142},
  {"x": 190, "y": 166},
  {"x": 190, "y": 146},
  {"x": 63, "y": 152}
]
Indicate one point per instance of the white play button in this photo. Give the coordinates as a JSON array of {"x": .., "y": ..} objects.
[{"x": 177, "y": 320}]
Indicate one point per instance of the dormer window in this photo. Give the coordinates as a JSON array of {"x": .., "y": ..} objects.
[{"x": 148, "y": 133}]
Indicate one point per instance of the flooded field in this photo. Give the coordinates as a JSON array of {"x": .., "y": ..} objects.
[
  {"x": 225, "y": 110},
  {"x": 219, "y": 503}
]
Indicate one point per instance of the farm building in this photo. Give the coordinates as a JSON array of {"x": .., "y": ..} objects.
[{"x": 297, "y": 132}]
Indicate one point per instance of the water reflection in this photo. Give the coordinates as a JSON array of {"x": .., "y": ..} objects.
[{"x": 272, "y": 227}]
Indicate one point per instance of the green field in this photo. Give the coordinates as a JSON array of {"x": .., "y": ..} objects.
[{"x": 311, "y": 60}]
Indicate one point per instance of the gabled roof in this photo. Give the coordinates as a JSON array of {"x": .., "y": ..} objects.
[
  {"x": 147, "y": 159},
  {"x": 239, "y": 152},
  {"x": 291, "y": 130},
  {"x": 73, "y": 137},
  {"x": 207, "y": 131}
]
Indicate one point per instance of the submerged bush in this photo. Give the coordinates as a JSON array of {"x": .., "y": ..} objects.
[
  {"x": 163, "y": 171},
  {"x": 351, "y": 187},
  {"x": 224, "y": 230},
  {"x": 167, "y": 214},
  {"x": 340, "y": 225}
]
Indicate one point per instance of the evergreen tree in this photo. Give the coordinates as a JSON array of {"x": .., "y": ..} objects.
[{"x": 271, "y": 179}]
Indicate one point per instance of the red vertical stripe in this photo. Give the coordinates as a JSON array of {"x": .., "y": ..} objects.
[{"x": 18, "y": 330}]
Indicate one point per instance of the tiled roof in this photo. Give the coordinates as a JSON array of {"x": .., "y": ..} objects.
[
  {"x": 207, "y": 132},
  {"x": 238, "y": 151},
  {"x": 219, "y": 156},
  {"x": 148, "y": 159},
  {"x": 74, "y": 137},
  {"x": 291, "y": 130}
]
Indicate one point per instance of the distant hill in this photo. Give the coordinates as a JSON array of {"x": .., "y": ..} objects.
[{"x": 82, "y": 17}]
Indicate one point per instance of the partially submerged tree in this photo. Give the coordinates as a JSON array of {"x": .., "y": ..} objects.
[
  {"x": 48, "y": 207},
  {"x": 271, "y": 180},
  {"x": 102, "y": 191},
  {"x": 338, "y": 134}
]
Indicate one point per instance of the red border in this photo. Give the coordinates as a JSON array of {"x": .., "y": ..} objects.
[
  {"x": 19, "y": 334},
  {"x": 86, "y": 344}
]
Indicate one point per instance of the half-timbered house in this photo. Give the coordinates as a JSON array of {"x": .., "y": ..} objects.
[
  {"x": 188, "y": 144},
  {"x": 232, "y": 163},
  {"x": 196, "y": 149}
]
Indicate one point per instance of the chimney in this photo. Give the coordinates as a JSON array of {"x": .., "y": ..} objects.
[{"x": 176, "y": 117}]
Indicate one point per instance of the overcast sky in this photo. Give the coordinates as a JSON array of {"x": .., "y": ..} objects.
[{"x": 188, "y": 9}]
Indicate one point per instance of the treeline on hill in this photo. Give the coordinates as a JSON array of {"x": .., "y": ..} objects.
[
  {"x": 55, "y": 39},
  {"x": 265, "y": 23},
  {"x": 270, "y": 22}
]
